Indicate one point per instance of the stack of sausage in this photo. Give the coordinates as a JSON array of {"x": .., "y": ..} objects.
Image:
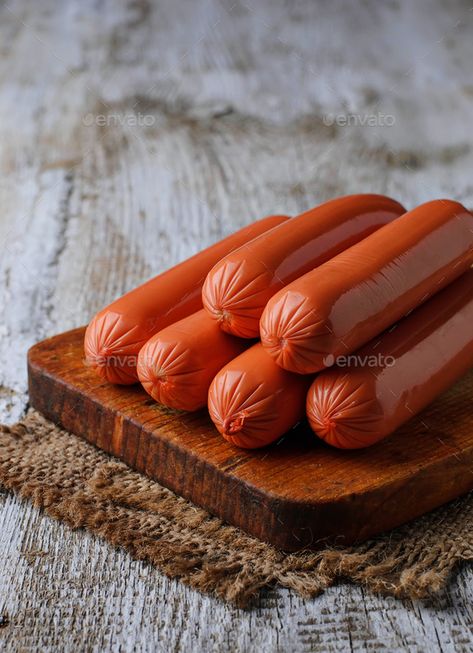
[{"x": 355, "y": 313}]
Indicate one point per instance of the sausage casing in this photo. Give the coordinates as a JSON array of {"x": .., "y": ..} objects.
[
  {"x": 238, "y": 287},
  {"x": 116, "y": 334},
  {"x": 346, "y": 302},
  {"x": 177, "y": 364},
  {"x": 253, "y": 401},
  {"x": 397, "y": 374}
]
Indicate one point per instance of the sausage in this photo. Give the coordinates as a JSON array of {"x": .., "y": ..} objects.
[
  {"x": 253, "y": 401},
  {"x": 428, "y": 351},
  {"x": 177, "y": 365},
  {"x": 238, "y": 287},
  {"x": 117, "y": 333},
  {"x": 341, "y": 305}
]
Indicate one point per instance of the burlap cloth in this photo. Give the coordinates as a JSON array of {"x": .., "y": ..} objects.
[{"x": 78, "y": 484}]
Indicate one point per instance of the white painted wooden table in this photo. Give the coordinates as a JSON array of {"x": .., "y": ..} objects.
[{"x": 131, "y": 135}]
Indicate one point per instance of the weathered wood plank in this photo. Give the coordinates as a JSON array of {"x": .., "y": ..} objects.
[{"x": 238, "y": 96}]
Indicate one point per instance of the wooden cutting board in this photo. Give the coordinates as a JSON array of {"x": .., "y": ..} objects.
[{"x": 294, "y": 494}]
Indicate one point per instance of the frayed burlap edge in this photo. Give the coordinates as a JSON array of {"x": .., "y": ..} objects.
[{"x": 80, "y": 485}]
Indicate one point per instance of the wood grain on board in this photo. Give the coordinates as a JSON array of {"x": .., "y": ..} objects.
[{"x": 298, "y": 493}]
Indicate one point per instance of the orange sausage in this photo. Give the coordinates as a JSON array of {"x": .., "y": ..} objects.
[
  {"x": 239, "y": 286},
  {"x": 341, "y": 305},
  {"x": 116, "y": 334},
  {"x": 253, "y": 402},
  {"x": 428, "y": 351},
  {"x": 177, "y": 365}
]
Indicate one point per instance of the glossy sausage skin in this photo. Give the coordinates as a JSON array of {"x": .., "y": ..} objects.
[
  {"x": 253, "y": 402},
  {"x": 177, "y": 365},
  {"x": 341, "y": 305},
  {"x": 239, "y": 286},
  {"x": 358, "y": 405},
  {"x": 116, "y": 334}
]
